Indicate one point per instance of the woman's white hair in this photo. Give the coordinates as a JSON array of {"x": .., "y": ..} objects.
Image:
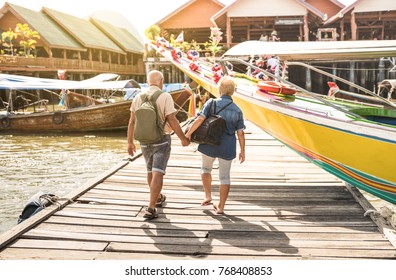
[{"x": 226, "y": 86}]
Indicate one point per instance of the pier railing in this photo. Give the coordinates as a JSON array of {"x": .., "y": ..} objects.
[{"x": 13, "y": 63}]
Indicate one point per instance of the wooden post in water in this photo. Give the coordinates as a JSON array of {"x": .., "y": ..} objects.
[
  {"x": 352, "y": 74},
  {"x": 308, "y": 80},
  {"x": 334, "y": 70},
  {"x": 381, "y": 74}
]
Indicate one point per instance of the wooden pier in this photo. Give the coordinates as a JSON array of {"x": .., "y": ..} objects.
[{"x": 280, "y": 207}]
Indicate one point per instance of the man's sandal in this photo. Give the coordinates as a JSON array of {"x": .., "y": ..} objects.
[
  {"x": 160, "y": 200},
  {"x": 150, "y": 213}
]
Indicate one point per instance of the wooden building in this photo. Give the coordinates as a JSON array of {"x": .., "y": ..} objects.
[
  {"x": 366, "y": 20},
  {"x": 193, "y": 18},
  {"x": 293, "y": 20},
  {"x": 81, "y": 47}
]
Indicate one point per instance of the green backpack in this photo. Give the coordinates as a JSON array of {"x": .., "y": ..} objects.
[{"x": 148, "y": 125}]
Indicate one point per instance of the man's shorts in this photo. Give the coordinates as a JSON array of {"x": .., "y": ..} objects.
[{"x": 157, "y": 155}]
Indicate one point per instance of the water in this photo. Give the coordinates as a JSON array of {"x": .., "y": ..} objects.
[{"x": 51, "y": 163}]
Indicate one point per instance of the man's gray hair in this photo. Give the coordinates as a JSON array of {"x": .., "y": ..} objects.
[{"x": 154, "y": 77}]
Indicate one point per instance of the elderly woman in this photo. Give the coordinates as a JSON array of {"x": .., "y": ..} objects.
[{"x": 226, "y": 152}]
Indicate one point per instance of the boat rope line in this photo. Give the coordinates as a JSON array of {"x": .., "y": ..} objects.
[{"x": 388, "y": 187}]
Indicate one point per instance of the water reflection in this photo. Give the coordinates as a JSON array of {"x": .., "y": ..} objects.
[{"x": 51, "y": 163}]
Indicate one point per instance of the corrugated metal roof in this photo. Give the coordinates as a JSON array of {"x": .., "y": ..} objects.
[
  {"x": 83, "y": 31},
  {"x": 364, "y": 6},
  {"x": 49, "y": 32},
  {"x": 121, "y": 36}
]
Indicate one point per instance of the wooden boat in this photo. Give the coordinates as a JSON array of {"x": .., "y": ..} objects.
[
  {"x": 355, "y": 141},
  {"x": 82, "y": 114}
]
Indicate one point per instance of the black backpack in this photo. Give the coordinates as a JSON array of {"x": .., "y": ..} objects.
[{"x": 210, "y": 131}]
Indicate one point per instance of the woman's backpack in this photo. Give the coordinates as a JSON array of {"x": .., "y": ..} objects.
[{"x": 210, "y": 131}]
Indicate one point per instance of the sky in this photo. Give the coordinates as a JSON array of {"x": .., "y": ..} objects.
[{"x": 141, "y": 13}]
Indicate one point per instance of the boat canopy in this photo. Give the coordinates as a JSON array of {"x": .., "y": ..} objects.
[
  {"x": 17, "y": 82},
  {"x": 312, "y": 50}
]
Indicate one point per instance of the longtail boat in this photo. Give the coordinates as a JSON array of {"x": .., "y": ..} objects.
[
  {"x": 354, "y": 140},
  {"x": 81, "y": 113}
]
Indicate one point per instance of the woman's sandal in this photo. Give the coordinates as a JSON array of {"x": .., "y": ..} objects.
[
  {"x": 160, "y": 200},
  {"x": 217, "y": 210},
  {"x": 206, "y": 202},
  {"x": 150, "y": 213}
]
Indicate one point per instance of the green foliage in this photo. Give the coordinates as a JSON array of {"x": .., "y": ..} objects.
[
  {"x": 7, "y": 38},
  {"x": 28, "y": 36},
  {"x": 195, "y": 46},
  {"x": 27, "y": 39},
  {"x": 152, "y": 32}
]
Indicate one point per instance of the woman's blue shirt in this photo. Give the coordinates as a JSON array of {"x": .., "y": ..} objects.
[{"x": 234, "y": 121}]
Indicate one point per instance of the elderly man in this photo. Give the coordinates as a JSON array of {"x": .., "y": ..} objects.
[{"x": 156, "y": 154}]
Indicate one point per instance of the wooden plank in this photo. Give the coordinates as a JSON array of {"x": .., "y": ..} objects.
[
  {"x": 103, "y": 206},
  {"x": 141, "y": 229},
  {"x": 251, "y": 251},
  {"x": 59, "y": 244},
  {"x": 192, "y": 240},
  {"x": 95, "y": 237},
  {"x": 277, "y": 226},
  {"x": 119, "y": 186},
  {"x": 40, "y": 254},
  {"x": 109, "y": 212},
  {"x": 47, "y": 254}
]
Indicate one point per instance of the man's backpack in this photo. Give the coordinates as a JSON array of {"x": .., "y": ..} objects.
[{"x": 148, "y": 125}]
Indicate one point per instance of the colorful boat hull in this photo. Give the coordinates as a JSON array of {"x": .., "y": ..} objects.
[
  {"x": 358, "y": 151},
  {"x": 360, "y": 159}
]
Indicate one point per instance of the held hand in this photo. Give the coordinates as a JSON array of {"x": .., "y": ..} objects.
[
  {"x": 185, "y": 142},
  {"x": 131, "y": 149}
]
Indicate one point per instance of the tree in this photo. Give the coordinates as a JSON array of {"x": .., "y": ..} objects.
[
  {"x": 7, "y": 38},
  {"x": 28, "y": 37},
  {"x": 152, "y": 32}
]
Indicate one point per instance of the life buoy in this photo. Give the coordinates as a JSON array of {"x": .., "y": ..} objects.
[
  {"x": 58, "y": 117},
  {"x": 5, "y": 122},
  {"x": 275, "y": 87}
]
